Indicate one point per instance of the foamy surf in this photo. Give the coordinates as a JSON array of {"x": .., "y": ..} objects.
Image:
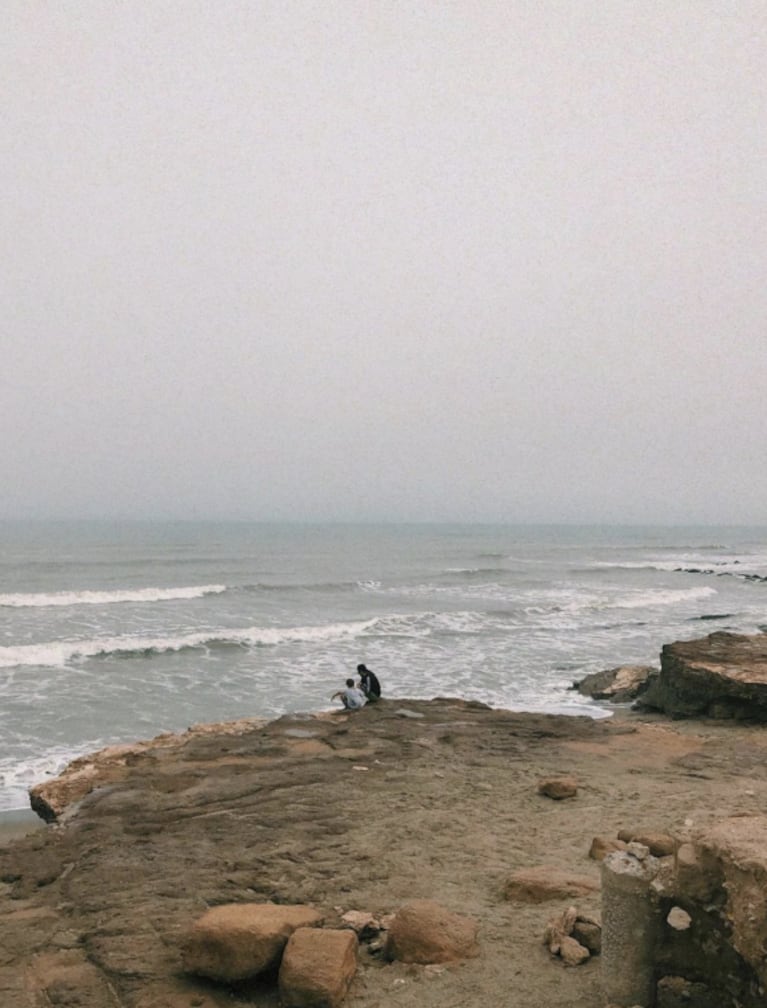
[
  {"x": 107, "y": 631},
  {"x": 74, "y": 598}
]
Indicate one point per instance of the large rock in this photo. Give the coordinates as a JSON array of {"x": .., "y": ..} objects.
[
  {"x": 423, "y": 931},
  {"x": 723, "y": 675},
  {"x": 317, "y": 968},
  {"x": 618, "y": 685},
  {"x": 536, "y": 885},
  {"x": 241, "y": 940},
  {"x": 558, "y": 787}
]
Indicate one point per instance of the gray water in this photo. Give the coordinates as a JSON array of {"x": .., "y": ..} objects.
[{"x": 115, "y": 632}]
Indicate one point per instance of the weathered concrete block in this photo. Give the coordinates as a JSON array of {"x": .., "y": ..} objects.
[
  {"x": 629, "y": 928},
  {"x": 740, "y": 846},
  {"x": 697, "y": 875}
]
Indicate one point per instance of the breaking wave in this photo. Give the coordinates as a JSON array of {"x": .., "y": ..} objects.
[
  {"x": 75, "y": 598},
  {"x": 58, "y": 654}
]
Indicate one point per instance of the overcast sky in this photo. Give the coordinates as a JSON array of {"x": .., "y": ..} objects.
[{"x": 384, "y": 260}]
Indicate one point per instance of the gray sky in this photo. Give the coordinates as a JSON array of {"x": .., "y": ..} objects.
[{"x": 406, "y": 261}]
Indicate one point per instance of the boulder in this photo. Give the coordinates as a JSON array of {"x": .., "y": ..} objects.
[
  {"x": 423, "y": 931},
  {"x": 558, "y": 787},
  {"x": 618, "y": 685},
  {"x": 240, "y": 940},
  {"x": 536, "y": 885},
  {"x": 317, "y": 968},
  {"x": 723, "y": 675}
]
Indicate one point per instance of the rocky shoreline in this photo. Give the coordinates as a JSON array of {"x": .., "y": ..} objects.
[{"x": 366, "y": 811}]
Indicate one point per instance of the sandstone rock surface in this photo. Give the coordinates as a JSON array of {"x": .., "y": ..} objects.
[
  {"x": 424, "y": 931},
  {"x": 317, "y": 968},
  {"x": 546, "y": 882},
  {"x": 241, "y": 940}
]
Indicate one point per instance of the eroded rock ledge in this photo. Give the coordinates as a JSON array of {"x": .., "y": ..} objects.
[{"x": 338, "y": 811}]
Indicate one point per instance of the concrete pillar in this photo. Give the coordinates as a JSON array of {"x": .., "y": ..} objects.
[{"x": 629, "y": 927}]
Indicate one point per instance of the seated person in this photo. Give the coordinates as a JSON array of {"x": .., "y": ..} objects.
[
  {"x": 369, "y": 683},
  {"x": 351, "y": 697}
]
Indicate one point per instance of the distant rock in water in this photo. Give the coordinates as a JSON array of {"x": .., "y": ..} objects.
[
  {"x": 709, "y": 570},
  {"x": 619, "y": 685},
  {"x": 723, "y": 675}
]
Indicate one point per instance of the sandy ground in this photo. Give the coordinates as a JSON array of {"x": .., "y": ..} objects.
[{"x": 364, "y": 811}]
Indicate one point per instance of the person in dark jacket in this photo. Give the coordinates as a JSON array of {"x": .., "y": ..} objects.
[{"x": 369, "y": 683}]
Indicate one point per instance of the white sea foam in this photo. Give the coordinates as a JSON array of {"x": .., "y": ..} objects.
[
  {"x": 17, "y": 777},
  {"x": 74, "y": 598},
  {"x": 660, "y": 597},
  {"x": 691, "y": 563}
]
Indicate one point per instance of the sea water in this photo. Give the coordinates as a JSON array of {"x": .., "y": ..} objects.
[{"x": 117, "y": 632}]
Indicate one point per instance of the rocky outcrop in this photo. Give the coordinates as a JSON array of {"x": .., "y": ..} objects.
[
  {"x": 114, "y": 763},
  {"x": 723, "y": 675},
  {"x": 618, "y": 685}
]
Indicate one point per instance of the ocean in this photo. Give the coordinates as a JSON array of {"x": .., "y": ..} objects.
[{"x": 114, "y": 632}]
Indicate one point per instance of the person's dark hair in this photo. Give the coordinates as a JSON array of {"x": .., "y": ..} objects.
[
  {"x": 349, "y": 682},
  {"x": 361, "y": 668}
]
